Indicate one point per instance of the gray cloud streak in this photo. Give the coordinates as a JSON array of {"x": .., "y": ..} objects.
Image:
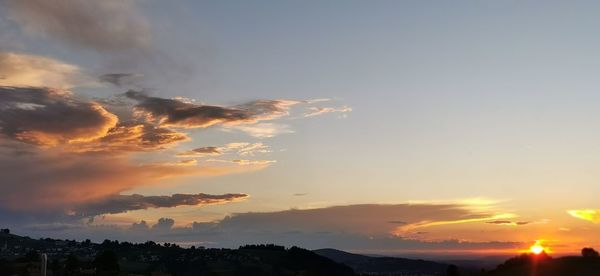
[
  {"x": 171, "y": 112},
  {"x": 122, "y": 203}
]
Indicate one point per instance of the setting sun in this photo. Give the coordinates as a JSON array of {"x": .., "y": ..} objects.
[{"x": 537, "y": 248}]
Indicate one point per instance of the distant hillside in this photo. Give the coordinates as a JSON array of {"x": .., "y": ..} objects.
[
  {"x": 527, "y": 265},
  {"x": 21, "y": 256},
  {"x": 384, "y": 265}
]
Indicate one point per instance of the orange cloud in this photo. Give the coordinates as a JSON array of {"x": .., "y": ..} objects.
[
  {"x": 132, "y": 137},
  {"x": 409, "y": 228},
  {"x": 48, "y": 117},
  {"x": 58, "y": 179},
  {"x": 22, "y": 70}
]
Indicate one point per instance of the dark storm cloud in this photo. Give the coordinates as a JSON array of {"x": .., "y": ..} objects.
[
  {"x": 172, "y": 112},
  {"x": 122, "y": 203},
  {"x": 106, "y": 25}
]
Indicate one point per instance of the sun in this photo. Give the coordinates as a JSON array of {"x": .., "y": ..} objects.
[{"x": 537, "y": 248}]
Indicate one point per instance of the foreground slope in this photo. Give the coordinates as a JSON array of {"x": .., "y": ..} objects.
[
  {"x": 21, "y": 256},
  {"x": 384, "y": 265}
]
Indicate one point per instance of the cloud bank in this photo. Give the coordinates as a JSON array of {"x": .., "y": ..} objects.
[
  {"x": 122, "y": 203},
  {"x": 83, "y": 23},
  {"x": 362, "y": 228}
]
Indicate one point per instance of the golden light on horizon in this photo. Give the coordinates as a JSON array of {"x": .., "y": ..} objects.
[{"x": 537, "y": 248}]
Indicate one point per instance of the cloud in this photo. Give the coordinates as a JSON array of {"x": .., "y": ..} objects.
[
  {"x": 164, "y": 224},
  {"x": 315, "y": 111},
  {"x": 21, "y": 70},
  {"x": 55, "y": 180},
  {"x": 362, "y": 228},
  {"x": 367, "y": 219},
  {"x": 132, "y": 137},
  {"x": 64, "y": 156},
  {"x": 411, "y": 228},
  {"x": 252, "y": 149},
  {"x": 177, "y": 113},
  {"x": 590, "y": 215},
  {"x": 508, "y": 222},
  {"x": 262, "y": 130},
  {"x": 108, "y": 25},
  {"x": 122, "y": 203},
  {"x": 240, "y": 148},
  {"x": 49, "y": 117},
  {"x": 55, "y": 226},
  {"x": 141, "y": 226},
  {"x": 199, "y": 152},
  {"x": 59, "y": 151},
  {"x": 120, "y": 79},
  {"x": 253, "y": 162}
]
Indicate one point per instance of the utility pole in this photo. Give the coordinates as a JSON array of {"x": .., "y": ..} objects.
[{"x": 44, "y": 264}]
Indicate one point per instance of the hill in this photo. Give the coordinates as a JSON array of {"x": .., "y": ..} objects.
[
  {"x": 384, "y": 265},
  {"x": 527, "y": 265},
  {"x": 21, "y": 256}
]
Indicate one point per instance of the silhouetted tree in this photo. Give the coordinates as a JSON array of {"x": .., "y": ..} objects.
[
  {"x": 107, "y": 261},
  {"x": 452, "y": 270},
  {"x": 32, "y": 256},
  {"x": 72, "y": 264},
  {"x": 54, "y": 266},
  {"x": 589, "y": 252}
]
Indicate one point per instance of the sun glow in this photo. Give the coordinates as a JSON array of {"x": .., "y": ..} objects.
[{"x": 537, "y": 248}]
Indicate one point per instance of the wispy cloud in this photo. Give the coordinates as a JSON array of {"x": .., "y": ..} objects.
[
  {"x": 262, "y": 130},
  {"x": 176, "y": 113},
  {"x": 591, "y": 215},
  {"x": 409, "y": 228},
  {"x": 316, "y": 111},
  {"x": 508, "y": 222},
  {"x": 240, "y": 148}
]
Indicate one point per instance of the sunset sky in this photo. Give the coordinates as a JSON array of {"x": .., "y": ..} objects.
[{"x": 389, "y": 127}]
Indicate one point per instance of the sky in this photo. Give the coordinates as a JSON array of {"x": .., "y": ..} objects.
[{"x": 388, "y": 127}]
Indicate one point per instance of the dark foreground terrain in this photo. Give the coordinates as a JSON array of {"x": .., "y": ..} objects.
[
  {"x": 22, "y": 256},
  {"x": 384, "y": 265}
]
